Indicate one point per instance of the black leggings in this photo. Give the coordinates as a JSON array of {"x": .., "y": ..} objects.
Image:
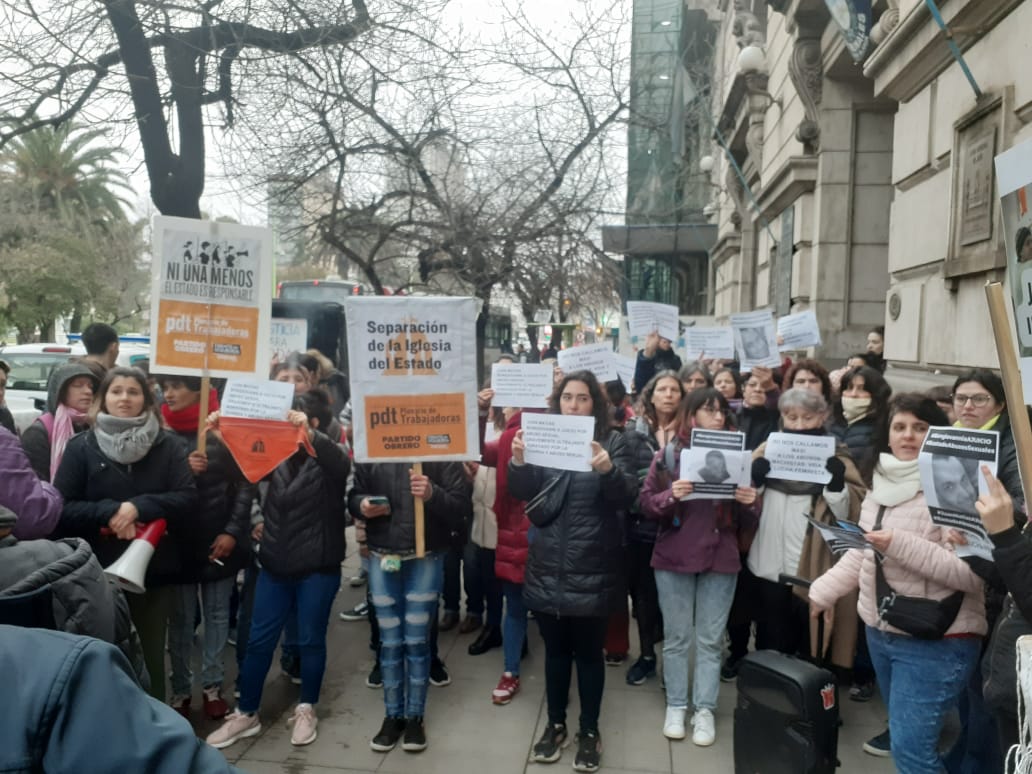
[
  {"x": 569, "y": 640},
  {"x": 642, "y": 581}
]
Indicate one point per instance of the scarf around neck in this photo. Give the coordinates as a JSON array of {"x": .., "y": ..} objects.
[
  {"x": 189, "y": 419},
  {"x": 126, "y": 439},
  {"x": 894, "y": 481},
  {"x": 65, "y": 420}
]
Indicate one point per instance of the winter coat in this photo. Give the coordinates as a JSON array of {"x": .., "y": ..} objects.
[
  {"x": 759, "y": 422},
  {"x": 706, "y": 537},
  {"x": 36, "y": 503},
  {"x": 574, "y": 566},
  {"x": 1012, "y": 555},
  {"x": 647, "y": 367},
  {"x": 447, "y": 514},
  {"x": 224, "y": 500},
  {"x": 7, "y": 420},
  {"x": 36, "y": 438},
  {"x": 84, "y": 602},
  {"x": 160, "y": 485},
  {"x": 304, "y": 509},
  {"x": 918, "y": 563},
  {"x": 484, "y": 532},
  {"x": 78, "y": 709},
  {"x": 641, "y": 439},
  {"x": 857, "y": 438},
  {"x": 513, "y": 524}
]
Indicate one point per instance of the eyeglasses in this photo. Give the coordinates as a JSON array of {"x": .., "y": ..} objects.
[{"x": 978, "y": 401}]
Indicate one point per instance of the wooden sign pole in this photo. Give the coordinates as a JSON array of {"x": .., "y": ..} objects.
[
  {"x": 1011, "y": 371},
  {"x": 202, "y": 435},
  {"x": 417, "y": 468}
]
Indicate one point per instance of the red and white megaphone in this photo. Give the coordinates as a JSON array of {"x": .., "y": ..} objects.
[{"x": 129, "y": 570}]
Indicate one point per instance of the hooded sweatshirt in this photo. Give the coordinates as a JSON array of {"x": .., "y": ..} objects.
[{"x": 37, "y": 436}]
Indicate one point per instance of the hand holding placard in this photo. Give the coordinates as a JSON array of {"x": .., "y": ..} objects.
[{"x": 558, "y": 441}]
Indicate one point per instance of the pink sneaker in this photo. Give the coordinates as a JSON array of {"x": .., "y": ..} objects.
[
  {"x": 507, "y": 687},
  {"x": 238, "y": 725},
  {"x": 305, "y": 724}
]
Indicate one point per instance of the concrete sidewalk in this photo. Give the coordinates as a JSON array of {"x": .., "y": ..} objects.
[{"x": 467, "y": 733}]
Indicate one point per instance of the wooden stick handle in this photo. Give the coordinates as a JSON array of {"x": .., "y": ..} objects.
[
  {"x": 417, "y": 468},
  {"x": 1011, "y": 372},
  {"x": 202, "y": 435}
]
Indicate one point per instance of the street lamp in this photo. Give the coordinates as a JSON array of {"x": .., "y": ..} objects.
[{"x": 752, "y": 60}]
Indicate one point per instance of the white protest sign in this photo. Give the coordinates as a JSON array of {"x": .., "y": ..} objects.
[
  {"x": 1014, "y": 178},
  {"x": 558, "y": 441},
  {"x": 950, "y": 461},
  {"x": 597, "y": 358},
  {"x": 755, "y": 339},
  {"x": 716, "y": 463},
  {"x": 799, "y": 331},
  {"x": 798, "y": 457},
  {"x": 412, "y": 367},
  {"x": 644, "y": 317},
  {"x": 211, "y": 298},
  {"x": 542, "y": 316},
  {"x": 257, "y": 399},
  {"x": 288, "y": 335},
  {"x": 625, "y": 370},
  {"x": 521, "y": 385},
  {"x": 718, "y": 342}
]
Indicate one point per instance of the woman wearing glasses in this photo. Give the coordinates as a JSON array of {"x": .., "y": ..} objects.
[{"x": 696, "y": 560}]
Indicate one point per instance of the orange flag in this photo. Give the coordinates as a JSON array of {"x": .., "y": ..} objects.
[{"x": 259, "y": 445}]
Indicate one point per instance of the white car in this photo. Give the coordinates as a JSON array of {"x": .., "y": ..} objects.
[{"x": 31, "y": 365}]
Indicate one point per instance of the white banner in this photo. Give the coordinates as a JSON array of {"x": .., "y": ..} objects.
[
  {"x": 256, "y": 399},
  {"x": 716, "y": 342},
  {"x": 288, "y": 335},
  {"x": 558, "y": 441},
  {"x": 1014, "y": 178},
  {"x": 597, "y": 358},
  {"x": 755, "y": 339},
  {"x": 625, "y": 370},
  {"x": 716, "y": 463},
  {"x": 644, "y": 317},
  {"x": 413, "y": 364},
  {"x": 798, "y": 457},
  {"x": 521, "y": 385},
  {"x": 799, "y": 331}
]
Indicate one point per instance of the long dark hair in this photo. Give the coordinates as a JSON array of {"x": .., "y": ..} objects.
[
  {"x": 149, "y": 403},
  {"x": 874, "y": 383},
  {"x": 646, "y": 409},
  {"x": 599, "y": 401},
  {"x": 695, "y": 400}
]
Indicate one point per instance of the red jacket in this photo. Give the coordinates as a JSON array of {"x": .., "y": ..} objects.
[{"x": 511, "y": 553}]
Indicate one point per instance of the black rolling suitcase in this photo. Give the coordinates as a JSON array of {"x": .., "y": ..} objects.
[{"x": 787, "y": 716}]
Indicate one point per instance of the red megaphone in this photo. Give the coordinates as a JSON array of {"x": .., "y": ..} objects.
[{"x": 129, "y": 570}]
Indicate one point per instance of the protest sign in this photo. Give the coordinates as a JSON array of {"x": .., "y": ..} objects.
[
  {"x": 798, "y": 457},
  {"x": 625, "y": 367},
  {"x": 1014, "y": 178},
  {"x": 211, "y": 298},
  {"x": 840, "y": 536},
  {"x": 413, "y": 377},
  {"x": 755, "y": 339},
  {"x": 521, "y": 385},
  {"x": 799, "y": 331},
  {"x": 718, "y": 342},
  {"x": 287, "y": 335},
  {"x": 558, "y": 441},
  {"x": 256, "y": 399},
  {"x": 644, "y": 317},
  {"x": 597, "y": 358},
  {"x": 716, "y": 463},
  {"x": 950, "y": 461}
]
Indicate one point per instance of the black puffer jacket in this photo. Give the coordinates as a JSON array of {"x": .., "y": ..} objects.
[
  {"x": 857, "y": 438},
  {"x": 447, "y": 514},
  {"x": 574, "y": 567},
  {"x": 642, "y": 445},
  {"x": 304, "y": 512},
  {"x": 757, "y": 422},
  {"x": 160, "y": 485},
  {"x": 1012, "y": 554},
  {"x": 83, "y": 600},
  {"x": 224, "y": 499}
]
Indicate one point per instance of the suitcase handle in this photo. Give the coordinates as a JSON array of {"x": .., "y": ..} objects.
[{"x": 793, "y": 580}]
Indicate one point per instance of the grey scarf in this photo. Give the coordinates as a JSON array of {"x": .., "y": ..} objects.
[{"x": 126, "y": 439}]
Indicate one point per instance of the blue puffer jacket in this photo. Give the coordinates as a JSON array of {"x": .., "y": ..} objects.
[{"x": 71, "y": 704}]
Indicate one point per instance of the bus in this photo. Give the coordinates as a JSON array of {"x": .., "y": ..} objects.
[{"x": 320, "y": 290}]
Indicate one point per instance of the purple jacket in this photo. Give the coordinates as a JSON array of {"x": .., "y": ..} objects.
[
  {"x": 707, "y": 538},
  {"x": 36, "y": 503}
]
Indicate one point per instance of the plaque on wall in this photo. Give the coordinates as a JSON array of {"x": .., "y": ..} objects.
[{"x": 976, "y": 185}]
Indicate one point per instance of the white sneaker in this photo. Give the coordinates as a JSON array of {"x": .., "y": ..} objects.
[
  {"x": 305, "y": 724},
  {"x": 673, "y": 727},
  {"x": 703, "y": 732},
  {"x": 238, "y": 725}
]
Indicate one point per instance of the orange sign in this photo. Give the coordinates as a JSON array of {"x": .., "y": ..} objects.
[
  {"x": 192, "y": 336},
  {"x": 416, "y": 425},
  {"x": 259, "y": 445}
]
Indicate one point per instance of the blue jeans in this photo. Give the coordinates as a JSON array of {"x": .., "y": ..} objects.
[
  {"x": 215, "y": 609},
  {"x": 921, "y": 681},
  {"x": 514, "y": 626},
  {"x": 977, "y": 748},
  {"x": 695, "y": 608},
  {"x": 406, "y": 604},
  {"x": 274, "y": 598}
]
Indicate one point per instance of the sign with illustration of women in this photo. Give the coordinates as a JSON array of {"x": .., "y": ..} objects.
[
  {"x": 716, "y": 463},
  {"x": 211, "y": 298},
  {"x": 950, "y": 462}
]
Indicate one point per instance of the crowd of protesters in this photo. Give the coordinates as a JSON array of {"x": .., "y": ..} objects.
[{"x": 259, "y": 564}]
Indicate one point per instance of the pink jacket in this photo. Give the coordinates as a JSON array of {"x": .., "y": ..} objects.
[{"x": 918, "y": 563}]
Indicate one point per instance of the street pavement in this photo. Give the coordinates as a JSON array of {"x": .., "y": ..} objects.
[{"x": 467, "y": 733}]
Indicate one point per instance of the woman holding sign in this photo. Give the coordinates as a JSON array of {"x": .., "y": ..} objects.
[
  {"x": 573, "y": 575},
  {"x": 921, "y": 603},
  {"x": 696, "y": 561}
]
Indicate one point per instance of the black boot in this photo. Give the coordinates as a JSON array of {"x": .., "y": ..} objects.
[{"x": 489, "y": 637}]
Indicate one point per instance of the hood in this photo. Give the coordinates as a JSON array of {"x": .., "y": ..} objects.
[{"x": 63, "y": 374}]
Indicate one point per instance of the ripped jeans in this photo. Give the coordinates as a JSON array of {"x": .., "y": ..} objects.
[{"x": 406, "y": 604}]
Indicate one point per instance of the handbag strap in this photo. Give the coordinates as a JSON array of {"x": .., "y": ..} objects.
[{"x": 881, "y": 586}]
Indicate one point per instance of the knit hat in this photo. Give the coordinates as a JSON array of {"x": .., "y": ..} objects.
[{"x": 8, "y": 518}]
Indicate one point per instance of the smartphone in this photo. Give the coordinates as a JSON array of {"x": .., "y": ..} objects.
[{"x": 378, "y": 500}]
